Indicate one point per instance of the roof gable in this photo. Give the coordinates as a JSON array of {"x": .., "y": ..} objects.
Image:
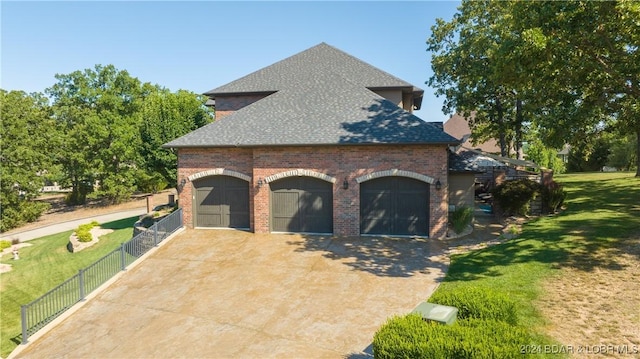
[
  {"x": 323, "y": 58},
  {"x": 458, "y": 126},
  {"x": 347, "y": 114},
  {"x": 313, "y": 100}
]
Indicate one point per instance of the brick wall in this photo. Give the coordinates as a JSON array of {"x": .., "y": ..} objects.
[
  {"x": 194, "y": 160},
  {"x": 341, "y": 162},
  {"x": 226, "y": 105}
]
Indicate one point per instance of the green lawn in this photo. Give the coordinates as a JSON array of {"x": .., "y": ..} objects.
[
  {"x": 602, "y": 210},
  {"x": 41, "y": 267}
]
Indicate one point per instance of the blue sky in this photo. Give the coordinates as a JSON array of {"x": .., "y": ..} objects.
[{"x": 201, "y": 45}]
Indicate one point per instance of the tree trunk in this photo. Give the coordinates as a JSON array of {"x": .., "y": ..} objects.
[
  {"x": 502, "y": 139},
  {"x": 518, "y": 130},
  {"x": 74, "y": 199}
]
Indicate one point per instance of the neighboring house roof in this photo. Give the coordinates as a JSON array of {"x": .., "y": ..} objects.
[
  {"x": 464, "y": 162},
  {"x": 458, "y": 127},
  {"x": 471, "y": 161},
  {"x": 484, "y": 159},
  {"x": 316, "y": 98},
  {"x": 565, "y": 150}
]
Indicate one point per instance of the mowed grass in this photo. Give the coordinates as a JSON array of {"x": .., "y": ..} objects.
[
  {"x": 41, "y": 267},
  {"x": 602, "y": 211}
]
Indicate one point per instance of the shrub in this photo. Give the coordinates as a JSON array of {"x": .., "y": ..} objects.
[
  {"x": 403, "y": 337},
  {"x": 476, "y": 338},
  {"x": 412, "y": 337},
  {"x": 84, "y": 231},
  {"x": 33, "y": 210},
  {"x": 553, "y": 196},
  {"x": 461, "y": 218},
  {"x": 24, "y": 211},
  {"x": 153, "y": 183},
  {"x": 513, "y": 197},
  {"x": 513, "y": 230},
  {"x": 478, "y": 303},
  {"x": 4, "y": 244}
]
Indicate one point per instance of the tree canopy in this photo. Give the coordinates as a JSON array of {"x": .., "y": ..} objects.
[
  {"x": 165, "y": 116},
  {"x": 95, "y": 111},
  {"x": 568, "y": 69},
  {"x": 113, "y": 126},
  {"x": 101, "y": 135},
  {"x": 26, "y": 141}
]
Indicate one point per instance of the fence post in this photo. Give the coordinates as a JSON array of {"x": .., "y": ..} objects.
[
  {"x": 155, "y": 234},
  {"x": 81, "y": 284},
  {"x": 122, "y": 257},
  {"x": 23, "y": 318}
]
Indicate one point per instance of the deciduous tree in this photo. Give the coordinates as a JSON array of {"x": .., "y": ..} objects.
[
  {"x": 573, "y": 67},
  {"x": 96, "y": 111},
  {"x": 165, "y": 116},
  {"x": 472, "y": 69},
  {"x": 27, "y": 136},
  {"x": 592, "y": 57}
]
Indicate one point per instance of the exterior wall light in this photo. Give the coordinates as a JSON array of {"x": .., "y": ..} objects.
[
  {"x": 260, "y": 182},
  {"x": 438, "y": 185},
  {"x": 345, "y": 184}
]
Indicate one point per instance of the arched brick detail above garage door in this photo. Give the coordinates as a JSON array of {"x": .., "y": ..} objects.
[
  {"x": 396, "y": 172},
  {"x": 217, "y": 172},
  {"x": 300, "y": 172}
]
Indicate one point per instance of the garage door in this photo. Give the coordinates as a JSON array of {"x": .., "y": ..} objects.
[
  {"x": 221, "y": 201},
  {"x": 394, "y": 206},
  {"x": 301, "y": 204}
]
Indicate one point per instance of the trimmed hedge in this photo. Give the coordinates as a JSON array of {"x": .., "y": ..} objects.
[
  {"x": 513, "y": 197},
  {"x": 553, "y": 197},
  {"x": 478, "y": 303},
  {"x": 412, "y": 337},
  {"x": 4, "y": 244},
  {"x": 487, "y": 327},
  {"x": 84, "y": 231}
]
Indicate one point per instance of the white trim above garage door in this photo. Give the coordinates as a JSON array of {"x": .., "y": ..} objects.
[
  {"x": 396, "y": 172},
  {"x": 219, "y": 171}
]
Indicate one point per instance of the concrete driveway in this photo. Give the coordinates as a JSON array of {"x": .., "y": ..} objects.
[{"x": 232, "y": 294}]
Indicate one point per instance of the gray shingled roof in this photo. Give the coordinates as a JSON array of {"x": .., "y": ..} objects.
[
  {"x": 463, "y": 162},
  {"x": 322, "y": 58},
  {"x": 321, "y": 104}
]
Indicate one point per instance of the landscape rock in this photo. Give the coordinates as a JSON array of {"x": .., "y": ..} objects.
[{"x": 75, "y": 245}]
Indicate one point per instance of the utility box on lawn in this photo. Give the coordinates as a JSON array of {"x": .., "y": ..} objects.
[{"x": 436, "y": 312}]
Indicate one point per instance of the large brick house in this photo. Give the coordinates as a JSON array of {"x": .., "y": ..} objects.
[{"x": 320, "y": 142}]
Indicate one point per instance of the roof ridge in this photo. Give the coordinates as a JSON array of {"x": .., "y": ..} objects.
[
  {"x": 320, "y": 96},
  {"x": 368, "y": 64},
  {"x": 212, "y": 91},
  {"x": 321, "y": 56}
]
